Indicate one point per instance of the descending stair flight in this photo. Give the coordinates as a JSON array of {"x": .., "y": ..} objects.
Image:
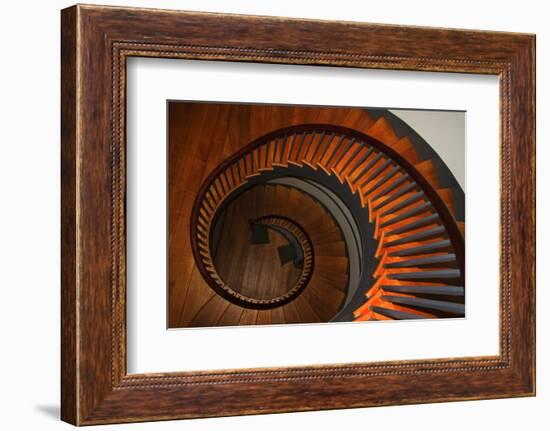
[{"x": 271, "y": 249}]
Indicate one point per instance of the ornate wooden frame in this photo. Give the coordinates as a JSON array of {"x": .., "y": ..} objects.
[{"x": 95, "y": 42}]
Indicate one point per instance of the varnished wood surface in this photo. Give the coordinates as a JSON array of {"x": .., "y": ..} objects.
[
  {"x": 201, "y": 136},
  {"x": 95, "y": 42},
  {"x": 334, "y": 161},
  {"x": 69, "y": 346},
  {"x": 252, "y": 269}
]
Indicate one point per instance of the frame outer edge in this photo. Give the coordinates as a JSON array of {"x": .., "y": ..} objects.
[
  {"x": 69, "y": 195},
  {"x": 532, "y": 79},
  {"x": 533, "y": 56},
  {"x": 525, "y": 63},
  {"x": 88, "y": 396},
  {"x": 522, "y": 179}
]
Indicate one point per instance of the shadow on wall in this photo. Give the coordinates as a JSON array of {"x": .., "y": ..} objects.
[{"x": 51, "y": 411}]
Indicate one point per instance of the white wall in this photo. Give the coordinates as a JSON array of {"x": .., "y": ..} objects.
[
  {"x": 29, "y": 227},
  {"x": 445, "y": 131}
]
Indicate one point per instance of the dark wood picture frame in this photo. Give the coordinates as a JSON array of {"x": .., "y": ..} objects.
[{"x": 95, "y": 43}]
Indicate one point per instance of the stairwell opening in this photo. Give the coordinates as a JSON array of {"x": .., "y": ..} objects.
[{"x": 318, "y": 223}]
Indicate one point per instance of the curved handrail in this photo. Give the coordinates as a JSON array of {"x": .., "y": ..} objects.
[
  {"x": 440, "y": 207},
  {"x": 306, "y": 245}
]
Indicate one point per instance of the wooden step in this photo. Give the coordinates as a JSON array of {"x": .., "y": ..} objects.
[
  {"x": 435, "y": 232},
  {"x": 424, "y": 261},
  {"x": 231, "y": 315},
  {"x": 210, "y": 313},
  {"x": 296, "y": 148},
  {"x": 440, "y": 274},
  {"x": 305, "y": 310},
  {"x": 390, "y": 187},
  {"x": 449, "y": 307},
  {"x": 405, "y": 148},
  {"x": 423, "y": 249},
  {"x": 417, "y": 210},
  {"x": 358, "y": 119},
  {"x": 375, "y": 317},
  {"x": 332, "y": 264},
  {"x": 316, "y": 278},
  {"x": 304, "y": 209},
  {"x": 381, "y": 168},
  {"x": 324, "y": 310},
  {"x": 304, "y": 144},
  {"x": 277, "y": 316},
  {"x": 198, "y": 294},
  {"x": 362, "y": 172},
  {"x": 325, "y": 237},
  {"x": 270, "y": 156},
  {"x": 427, "y": 170},
  {"x": 332, "y": 249},
  {"x": 388, "y": 199},
  {"x": 323, "y": 307},
  {"x": 310, "y": 156},
  {"x": 323, "y": 142},
  {"x": 420, "y": 222},
  {"x": 397, "y": 314},
  {"x": 383, "y": 131},
  {"x": 294, "y": 199},
  {"x": 446, "y": 196},
  {"x": 333, "y": 154},
  {"x": 316, "y": 214},
  {"x": 324, "y": 149},
  {"x": 349, "y": 159},
  {"x": 262, "y": 158},
  {"x": 352, "y": 168},
  {"x": 443, "y": 290},
  {"x": 409, "y": 200},
  {"x": 388, "y": 179},
  {"x": 335, "y": 278},
  {"x": 248, "y": 317},
  {"x": 263, "y": 317},
  {"x": 286, "y": 150},
  {"x": 327, "y": 293},
  {"x": 344, "y": 155}
]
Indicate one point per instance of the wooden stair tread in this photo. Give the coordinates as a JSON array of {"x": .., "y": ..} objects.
[
  {"x": 332, "y": 249},
  {"x": 383, "y": 131},
  {"x": 211, "y": 312},
  {"x": 412, "y": 244}
]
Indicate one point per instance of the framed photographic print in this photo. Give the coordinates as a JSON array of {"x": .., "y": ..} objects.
[
  {"x": 325, "y": 214},
  {"x": 312, "y": 214}
]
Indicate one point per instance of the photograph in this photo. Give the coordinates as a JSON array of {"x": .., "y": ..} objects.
[
  {"x": 275, "y": 215},
  {"x": 292, "y": 214}
]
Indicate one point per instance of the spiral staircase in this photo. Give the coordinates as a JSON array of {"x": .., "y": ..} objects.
[{"x": 353, "y": 218}]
